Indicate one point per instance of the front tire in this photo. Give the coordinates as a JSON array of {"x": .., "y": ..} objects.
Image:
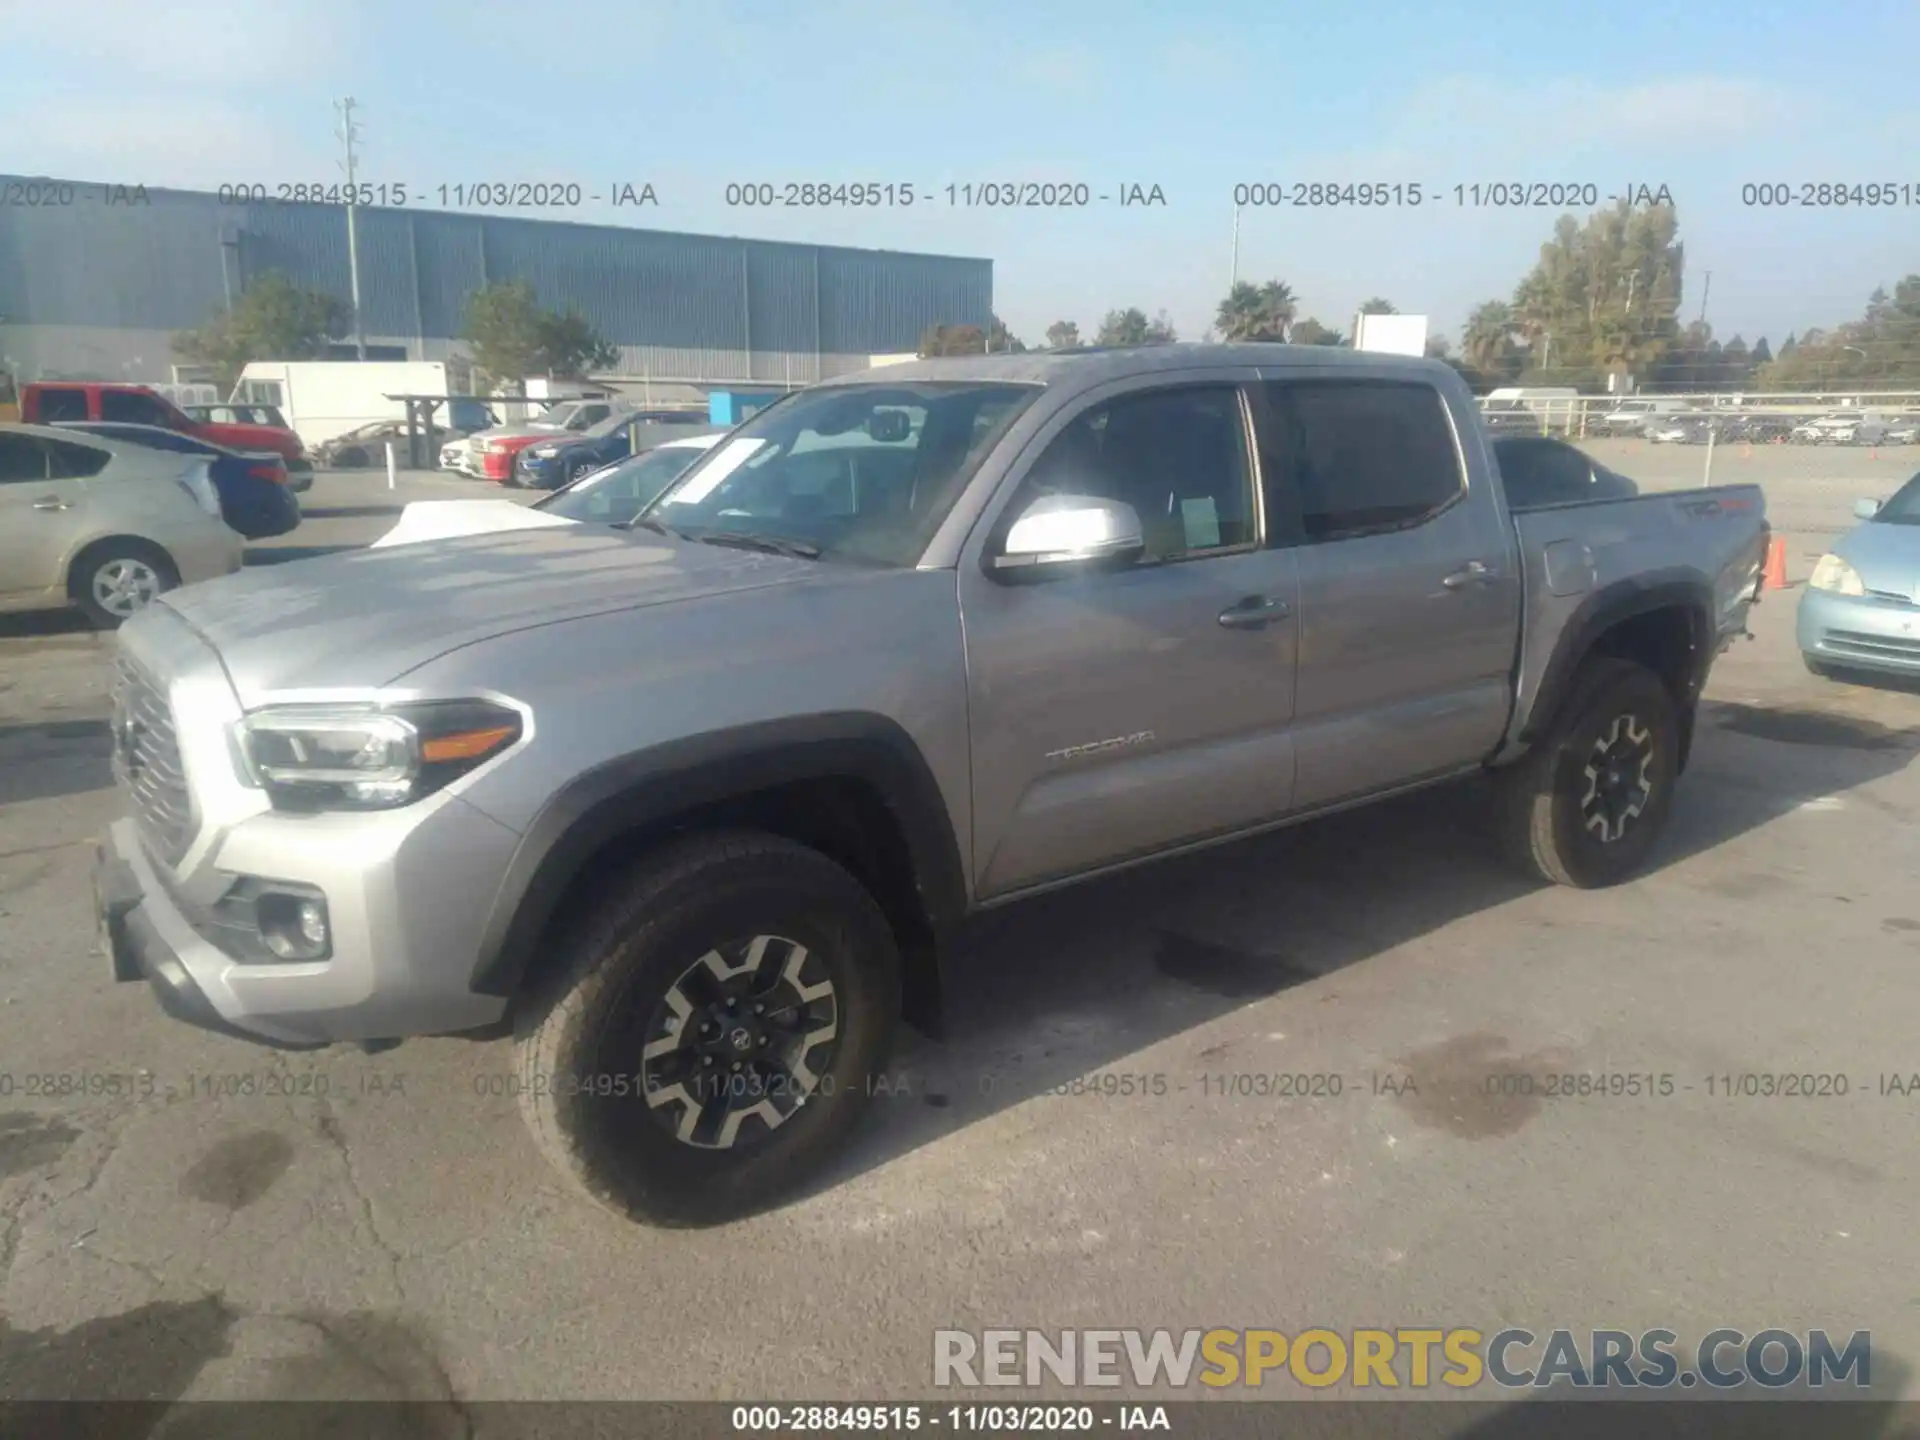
[
  {"x": 709, "y": 1032},
  {"x": 1585, "y": 805}
]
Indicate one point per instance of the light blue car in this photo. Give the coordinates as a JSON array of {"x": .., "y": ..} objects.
[{"x": 1861, "y": 608}]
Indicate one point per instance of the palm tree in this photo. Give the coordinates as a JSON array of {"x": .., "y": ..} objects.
[
  {"x": 1488, "y": 340},
  {"x": 1256, "y": 312}
]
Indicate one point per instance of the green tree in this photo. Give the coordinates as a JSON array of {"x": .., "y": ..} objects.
[
  {"x": 1063, "y": 335},
  {"x": 1311, "y": 332},
  {"x": 1377, "y": 306},
  {"x": 512, "y": 338},
  {"x": 273, "y": 320},
  {"x": 1604, "y": 296},
  {"x": 1488, "y": 344},
  {"x": 504, "y": 331},
  {"x": 570, "y": 349},
  {"x": 1004, "y": 341},
  {"x": 1881, "y": 348},
  {"x": 1256, "y": 312},
  {"x": 1761, "y": 354},
  {"x": 1438, "y": 348},
  {"x": 1132, "y": 327},
  {"x": 953, "y": 340}
]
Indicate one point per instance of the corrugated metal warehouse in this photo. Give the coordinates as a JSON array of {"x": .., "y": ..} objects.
[{"x": 96, "y": 280}]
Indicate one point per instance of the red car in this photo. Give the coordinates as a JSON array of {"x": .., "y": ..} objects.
[{"x": 61, "y": 402}]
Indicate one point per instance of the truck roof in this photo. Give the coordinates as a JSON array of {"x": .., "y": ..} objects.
[{"x": 1094, "y": 365}]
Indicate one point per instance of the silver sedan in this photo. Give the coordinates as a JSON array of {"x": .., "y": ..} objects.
[{"x": 1861, "y": 607}]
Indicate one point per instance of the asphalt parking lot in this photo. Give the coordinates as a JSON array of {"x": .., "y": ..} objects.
[{"x": 340, "y": 1225}]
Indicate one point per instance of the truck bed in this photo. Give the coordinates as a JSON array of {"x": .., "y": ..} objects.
[{"x": 1713, "y": 540}]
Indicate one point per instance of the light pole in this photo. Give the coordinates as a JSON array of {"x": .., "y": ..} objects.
[
  {"x": 1233, "y": 272},
  {"x": 345, "y": 107}
]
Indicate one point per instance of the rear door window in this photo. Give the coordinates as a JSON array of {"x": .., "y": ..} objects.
[{"x": 1361, "y": 457}]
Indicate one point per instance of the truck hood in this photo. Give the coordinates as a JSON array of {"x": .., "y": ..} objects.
[
  {"x": 515, "y": 432},
  {"x": 368, "y": 617}
]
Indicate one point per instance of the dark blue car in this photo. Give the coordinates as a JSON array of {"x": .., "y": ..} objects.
[
  {"x": 255, "y": 496},
  {"x": 562, "y": 460}
]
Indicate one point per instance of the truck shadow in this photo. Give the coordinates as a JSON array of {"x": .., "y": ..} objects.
[
  {"x": 48, "y": 760},
  {"x": 1043, "y": 993}
]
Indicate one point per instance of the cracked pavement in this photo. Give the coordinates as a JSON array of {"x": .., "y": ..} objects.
[{"x": 187, "y": 1217}]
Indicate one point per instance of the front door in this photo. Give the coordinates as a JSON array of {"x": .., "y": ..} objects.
[{"x": 1120, "y": 712}]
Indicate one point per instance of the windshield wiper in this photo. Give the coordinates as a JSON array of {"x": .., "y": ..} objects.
[
  {"x": 647, "y": 522},
  {"x": 771, "y": 544}
]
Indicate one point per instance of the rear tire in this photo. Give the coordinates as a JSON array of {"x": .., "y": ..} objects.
[
  {"x": 617, "y": 1048},
  {"x": 1585, "y": 805},
  {"x": 120, "y": 579}
]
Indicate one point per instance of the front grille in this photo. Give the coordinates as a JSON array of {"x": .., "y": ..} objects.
[
  {"x": 1871, "y": 647},
  {"x": 146, "y": 762}
]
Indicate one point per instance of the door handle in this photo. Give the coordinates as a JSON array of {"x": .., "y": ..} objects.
[
  {"x": 1475, "y": 573},
  {"x": 1254, "y": 612},
  {"x": 50, "y": 503}
]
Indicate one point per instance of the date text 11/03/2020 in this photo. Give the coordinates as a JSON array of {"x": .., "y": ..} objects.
[
  {"x": 1466, "y": 195},
  {"x": 472, "y": 194}
]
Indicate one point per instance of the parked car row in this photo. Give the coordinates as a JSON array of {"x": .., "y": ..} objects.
[
  {"x": 60, "y": 402},
  {"x": 572, "y": 437}
]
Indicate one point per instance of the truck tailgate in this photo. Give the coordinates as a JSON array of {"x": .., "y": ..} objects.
[{"x": 1713, "y": 540}]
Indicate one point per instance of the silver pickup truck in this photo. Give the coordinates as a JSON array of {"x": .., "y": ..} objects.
[{"x": 690, "y": 805}]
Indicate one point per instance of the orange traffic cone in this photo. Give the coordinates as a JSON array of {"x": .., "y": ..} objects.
[{"x": 1776, "y": 571}]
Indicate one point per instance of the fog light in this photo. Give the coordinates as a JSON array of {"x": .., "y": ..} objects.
[{"x": 293, "y": 927}]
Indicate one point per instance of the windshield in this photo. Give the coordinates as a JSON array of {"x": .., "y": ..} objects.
[
  {"x": 555, "y": 418},
  {"x": 607, "y": 426},
  {"x": 1904, "y": 507},
  {"x": 615, "y": 495},
  {"x": 864, "y": 472}
]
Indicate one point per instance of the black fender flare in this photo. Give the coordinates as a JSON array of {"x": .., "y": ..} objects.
[
  {"x": 1602, "y": 611},
  {"x": 651, "y": 786}
]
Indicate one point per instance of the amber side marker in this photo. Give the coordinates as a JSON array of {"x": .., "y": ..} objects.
[{"x": 465, "y": 745}]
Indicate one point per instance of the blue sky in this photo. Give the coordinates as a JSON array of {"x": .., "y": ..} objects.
[{"x": 1193, "y": 96}]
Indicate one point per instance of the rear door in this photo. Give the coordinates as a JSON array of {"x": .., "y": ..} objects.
[
  {"x": 1409, "y": 600},
  {"x": 1122, "y": 712},
  {"x": 43, "y": 510}
]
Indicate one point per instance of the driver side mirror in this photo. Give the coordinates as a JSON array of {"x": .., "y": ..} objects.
[
  {"x": 1061, "y": 532},
  {"x": 1866, "y": 509}
]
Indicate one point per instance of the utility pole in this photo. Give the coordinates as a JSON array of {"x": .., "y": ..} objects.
[
  {"x": 1705, "y": 290},
  {"x": 1233, "y": 274},
  {"x": 345, "y": 107},
  {"x": 1633, "y": 279}
]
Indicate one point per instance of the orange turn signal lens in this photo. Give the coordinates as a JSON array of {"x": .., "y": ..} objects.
[{"x": 467, "y": 744}]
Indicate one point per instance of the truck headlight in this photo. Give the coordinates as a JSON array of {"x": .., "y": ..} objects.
[
  {"x": 1835, "y": 574},
  {"x": 368, "y": 757}
]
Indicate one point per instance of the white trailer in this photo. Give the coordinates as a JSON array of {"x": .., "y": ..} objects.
[{"x": 325, "y": 398}]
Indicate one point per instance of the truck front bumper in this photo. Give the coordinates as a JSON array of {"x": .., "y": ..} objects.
[
  {"x": 144, "y": 940},
  {"x": 403, "y": 919}
]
